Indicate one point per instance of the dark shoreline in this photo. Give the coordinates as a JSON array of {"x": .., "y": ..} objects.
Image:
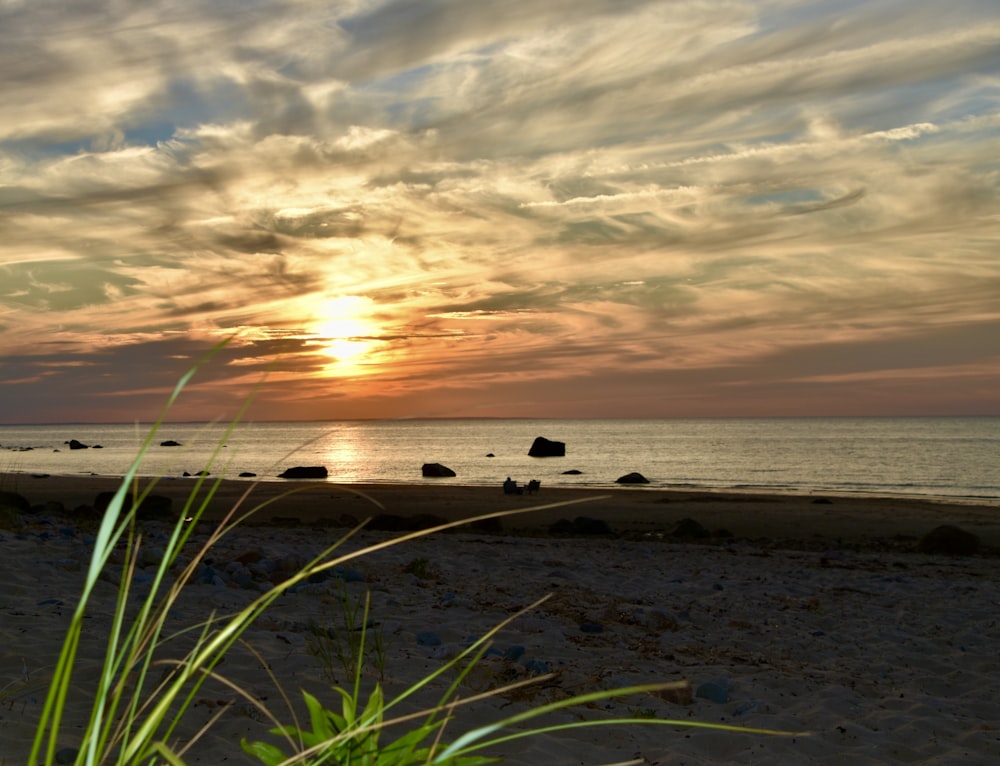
[{"x": 779, "y": 520}]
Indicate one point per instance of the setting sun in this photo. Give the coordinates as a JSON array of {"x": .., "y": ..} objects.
[{"x": 344, "y": 331}]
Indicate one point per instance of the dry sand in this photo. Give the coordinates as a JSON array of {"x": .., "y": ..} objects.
[{"x": 807, "y": 616}]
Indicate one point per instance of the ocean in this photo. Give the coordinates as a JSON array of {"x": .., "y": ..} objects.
[{"x": 941, "y": 457}]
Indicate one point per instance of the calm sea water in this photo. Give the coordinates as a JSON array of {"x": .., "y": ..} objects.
[{"x": 938, "y": 457}]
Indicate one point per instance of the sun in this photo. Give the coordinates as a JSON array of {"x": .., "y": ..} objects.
[{"x": 345, "y": 331}]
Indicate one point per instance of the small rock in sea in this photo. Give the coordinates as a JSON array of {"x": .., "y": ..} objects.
[
  {"x": 490, "y": 454},
  {"x": 949, "y": 540},
  {"x": 428, "y": 638},
  {"x": 304, "y": 472},
  {"x": 247, "y": 475},
  {"x": 74, "y": 444},
  {"x": 572, "y": 472},
  {"x": 632, "y": 478},
  {"x": 170, "y": 443}
]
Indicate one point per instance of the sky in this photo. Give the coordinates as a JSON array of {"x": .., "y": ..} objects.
[{"x": 499, "y": 208}]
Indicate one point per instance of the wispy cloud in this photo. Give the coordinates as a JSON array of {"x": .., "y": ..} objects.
[{"x": 576, "y": 206}]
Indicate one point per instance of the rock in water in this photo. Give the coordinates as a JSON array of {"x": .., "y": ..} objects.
[
  {"x": 436, "y": 469},
  {"x": 543, "y": 447},
  {"x": 304, "y": 472},
  {"x": 632, "y": 478}
]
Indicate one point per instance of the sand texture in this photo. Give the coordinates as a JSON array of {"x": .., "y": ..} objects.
[{"x": 792, "y": 614}]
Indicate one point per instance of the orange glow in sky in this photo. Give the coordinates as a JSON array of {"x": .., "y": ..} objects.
[{"x": 452, "y": 208}]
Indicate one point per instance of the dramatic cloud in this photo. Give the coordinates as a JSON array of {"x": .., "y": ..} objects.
[{"x": 547, "y": 207}]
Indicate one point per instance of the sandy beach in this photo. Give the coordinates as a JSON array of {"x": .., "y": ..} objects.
[{"x": 815, "y": 615}]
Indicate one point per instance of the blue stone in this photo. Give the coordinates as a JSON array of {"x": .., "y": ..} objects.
[
  {"x": 713, "y": 691},
  {"x": 537, "y": 667},
  {"x": 514, "y": 653},
  {"x": 428, "y": 638},
  {"x": 353, "y": 575}
]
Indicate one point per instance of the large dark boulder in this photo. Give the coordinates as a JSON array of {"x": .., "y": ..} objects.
[
  {"x": 304, "y": 472},
  {"x": 436, "y": 469},
  {"x": 543, "y": 447},
  {"x": 632, "y": 478},
  {"x": 74, "y": 444},
  {"x": 950, "y": 540}
]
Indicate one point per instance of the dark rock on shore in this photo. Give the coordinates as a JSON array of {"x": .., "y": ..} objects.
[
  {"x": 170, "y": 443},
  {"x": 74, "y": 444},
  {"x": 543, "y": 447},
  {"x": 247, "y": 474},
  {"x": 304, "y": 472},
  {"x": 689, "y": 529},
  {"x": 388, "y": 522},
  {"x": 581, "y": 525},
  {"x": 950, "y": 540},
  {"x": 436, "y": 469},
  {"x": 150, "y": 507},
  {"x": 572, "y": 472},
  {"x": 632, "y": 478},
  {"x": 14, "y": 501}
]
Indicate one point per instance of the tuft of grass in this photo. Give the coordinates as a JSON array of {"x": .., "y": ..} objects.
[
  {"x": 419, "y": 567},
  {"x": 348, "y": 639},
  {"x": 144, "y": 690}
]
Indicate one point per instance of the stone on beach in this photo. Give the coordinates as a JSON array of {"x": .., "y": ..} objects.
[
  {"x": 150, "y": 506},
  {"x": 950, "y": 540},
  {"x": 581, "y": 525},
  {"x": 690, "y": 529}
]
